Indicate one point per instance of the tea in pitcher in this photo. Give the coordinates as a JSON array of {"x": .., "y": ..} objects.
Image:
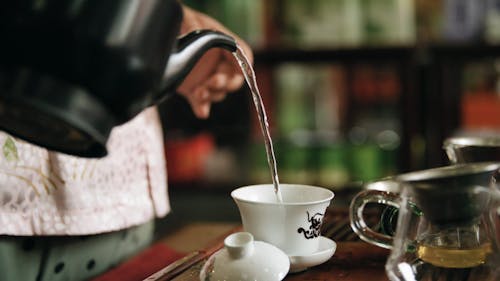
[{"x": 454, "y": 257}]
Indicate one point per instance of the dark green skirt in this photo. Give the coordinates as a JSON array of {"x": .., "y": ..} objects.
[{"x": 71, "y": 258}]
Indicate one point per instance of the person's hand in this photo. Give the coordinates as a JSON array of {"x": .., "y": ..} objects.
[{"x": 217, "y": 73}]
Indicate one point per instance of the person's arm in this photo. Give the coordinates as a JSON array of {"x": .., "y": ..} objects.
[{"x": 217, "y": 73}]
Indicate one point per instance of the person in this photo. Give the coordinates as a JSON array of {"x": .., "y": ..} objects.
[{"x": 69, "y": 218}]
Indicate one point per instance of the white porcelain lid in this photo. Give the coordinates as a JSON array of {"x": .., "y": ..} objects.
[{"x": 242, "y": 258}]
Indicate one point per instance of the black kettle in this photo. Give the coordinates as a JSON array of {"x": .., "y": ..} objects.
[{"x": 71, "y": 70}]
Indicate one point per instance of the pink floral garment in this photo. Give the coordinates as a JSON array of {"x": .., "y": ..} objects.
[{"x": 48, "y": 193}]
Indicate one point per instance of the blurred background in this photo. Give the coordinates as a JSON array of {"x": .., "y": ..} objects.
[{"x": 355, "y": 90}]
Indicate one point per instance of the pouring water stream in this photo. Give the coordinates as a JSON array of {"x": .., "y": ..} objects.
[{"x": 249, "y": 74}]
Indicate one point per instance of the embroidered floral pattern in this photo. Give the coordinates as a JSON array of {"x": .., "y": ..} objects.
[
  {"x": 10, "y": 150},
  {"x": 48, "y": 193}
]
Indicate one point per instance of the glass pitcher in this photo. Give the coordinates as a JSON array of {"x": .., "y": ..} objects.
[{"x": 446, "y": 227}]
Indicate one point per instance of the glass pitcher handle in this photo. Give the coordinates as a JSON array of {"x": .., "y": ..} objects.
[{"x": 358, "y": 224}]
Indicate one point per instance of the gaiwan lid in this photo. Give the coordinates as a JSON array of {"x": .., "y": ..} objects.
[{"x": 242, "y": 258}]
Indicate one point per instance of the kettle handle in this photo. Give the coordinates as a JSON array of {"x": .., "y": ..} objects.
[{"x": 188, "y": 50}]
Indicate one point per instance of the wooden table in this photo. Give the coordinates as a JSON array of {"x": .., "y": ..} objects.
[{"x": 354, "y": 260}]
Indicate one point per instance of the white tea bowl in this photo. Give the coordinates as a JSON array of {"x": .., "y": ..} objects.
[{"x": 293, "y": 225}]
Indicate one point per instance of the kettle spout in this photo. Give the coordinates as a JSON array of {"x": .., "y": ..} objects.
[{"x": 188, "y": 51}]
